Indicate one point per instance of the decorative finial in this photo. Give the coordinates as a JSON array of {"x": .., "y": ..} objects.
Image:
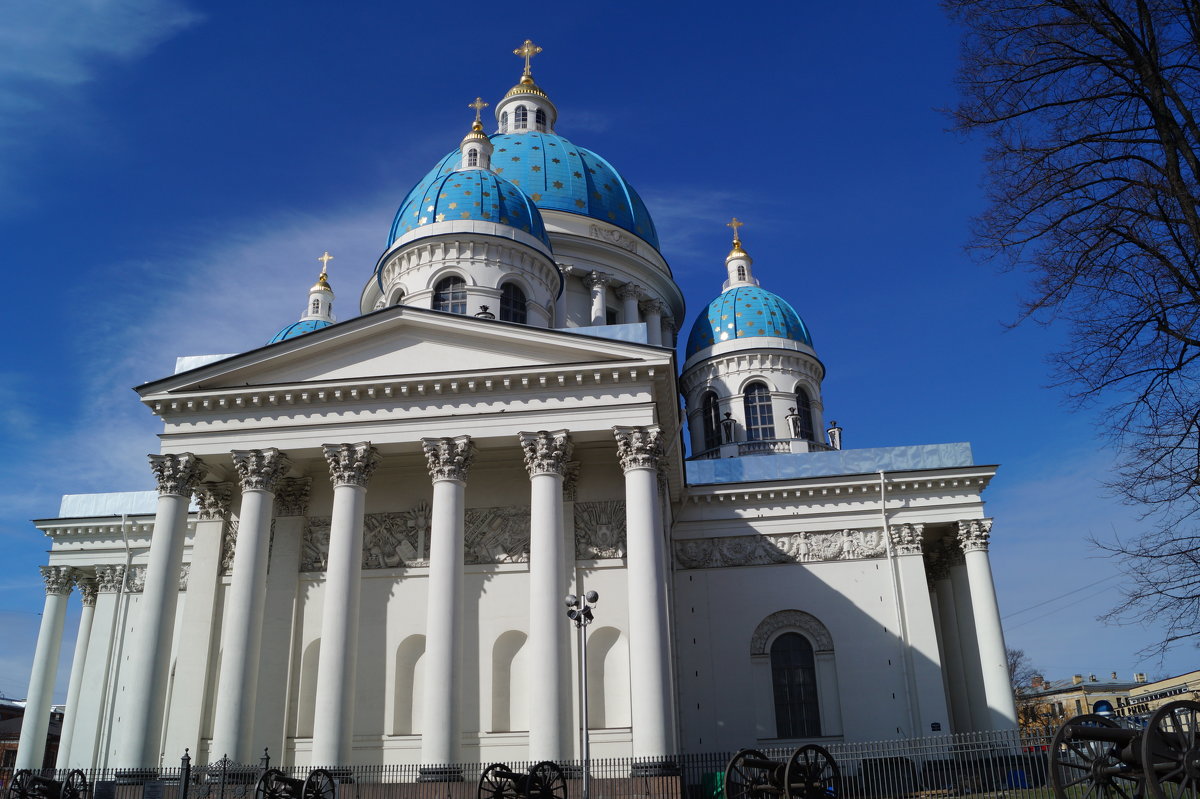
[
  {"x": 478, "y": 105},
  {"x": 325, "y": 259},
  {"x": 527, "y": 51},
  {"x": 735, "y": 224}
]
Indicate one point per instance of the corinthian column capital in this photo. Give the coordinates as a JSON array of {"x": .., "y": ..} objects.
[
  {"x": 260, "y": 469},
  {"x": 87, "y": 590},
  {"x": 291, "y": 496},
  {"x": 58, "y": 579},
  {"x": 596, "y": 281},
  {"x": 906, "y": 538},
  {"x": 213, "y": 499},
  {"x": 351, "y": 464},
  {"x": 639, "y": 447},
  {"x": 110, "y": 578},
  {"x": 449, "y": 458},
  {"x": 973, "y": 534},
  {"x": 652, "y": 306},
  {"x": 177, "y": 474},
  {"x": 546, "y": 452},
  {"x": 630, "y": 291}
]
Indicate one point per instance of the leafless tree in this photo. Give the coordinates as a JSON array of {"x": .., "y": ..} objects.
[{"x": 1094, "y": 180}]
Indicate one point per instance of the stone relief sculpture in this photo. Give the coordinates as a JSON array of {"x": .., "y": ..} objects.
[
  {"x": 391, "y": 540},
  {"x": 497, "y": 535},
  {"x": 760, "y": 550},
  {"x": 600, "y": 529},
  {"x": 314, "y": 545},
  {"x": 228, "y": 545}
]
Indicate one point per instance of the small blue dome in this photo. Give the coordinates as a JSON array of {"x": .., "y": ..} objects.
[
  {"x": 473, "y": 194},
  {"x": 746, "y": 312},
  {"x": 299, "y": 329},
  {"x": 559, "y": 176}
]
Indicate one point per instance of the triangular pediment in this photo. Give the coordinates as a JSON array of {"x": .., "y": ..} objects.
[{"x": 402, "y": 342}]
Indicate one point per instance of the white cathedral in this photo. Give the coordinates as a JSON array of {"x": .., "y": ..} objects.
[{"x": 364, "y": 531}]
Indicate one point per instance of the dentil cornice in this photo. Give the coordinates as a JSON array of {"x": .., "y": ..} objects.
[{"x": 546, "y": 452}]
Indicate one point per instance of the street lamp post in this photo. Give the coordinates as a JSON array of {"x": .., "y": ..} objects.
[{"x": 579, "y": 611}]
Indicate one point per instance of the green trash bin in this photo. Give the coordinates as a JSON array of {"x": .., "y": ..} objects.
[{"x": 712, "y": 785}]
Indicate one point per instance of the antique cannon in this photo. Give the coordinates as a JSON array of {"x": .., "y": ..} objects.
[
  {"x": 544, "y": 780},
  {"x": 27, "y": 785},
  {"x": 810, "y": 773},
  {"x": 274, "y": 784},
  {"x": 1108, "y": 761}
]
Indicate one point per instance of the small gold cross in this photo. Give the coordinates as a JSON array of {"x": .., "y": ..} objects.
[
  {"x": 527, "y": 51},
  {"x": 325, "y": 259},
  {"x": 478, "y": 105},
  {"x": 735, "y": 224}
]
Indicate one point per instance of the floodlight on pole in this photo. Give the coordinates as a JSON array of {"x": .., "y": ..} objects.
[{"x": 579, "y": 611}]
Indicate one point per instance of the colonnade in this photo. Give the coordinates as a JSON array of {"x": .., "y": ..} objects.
[
  {"x": 267, "y": 495},
  {"x": 660, "y": 327}
]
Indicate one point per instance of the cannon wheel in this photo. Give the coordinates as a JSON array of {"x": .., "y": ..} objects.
[
  {"x": 271, "y": 785},
  {"x": 546, "y": 781},
  {"x": 320, "y": 785},
  {"x": 1171, "y": 751},
  {"x": 75, "y": 786},
  {"x": 741, "y": 781},
  {"x": 19, "y": 786},
  {"x": 1096, "y": 763},
  {"x": 812, "y": 773},
  {"x": 496, "y": 782}
]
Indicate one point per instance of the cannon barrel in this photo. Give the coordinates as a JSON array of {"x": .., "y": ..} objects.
[{"x": 1116, "y": 735}]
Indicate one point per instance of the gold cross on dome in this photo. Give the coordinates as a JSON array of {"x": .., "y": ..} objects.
[
  {"x": 735, "y": 224},
  {"x": 527, "y": 51},
  {"x": 325, "y": 259},
  {"x": 478, "y": 105}
]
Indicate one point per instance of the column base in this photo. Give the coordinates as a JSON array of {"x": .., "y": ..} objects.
[
  {"x": 655, "y": 768},
  {"x": 440, "y": 774}
]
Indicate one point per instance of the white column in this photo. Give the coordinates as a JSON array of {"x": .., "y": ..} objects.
[
  {"x": 640, "y": 449},
  {"x": 973, "y": 536},
  {"x": 922, "y": 660},
  {"x": 668, "y": 332},
  {"x": 241, "y": 632},
  {"x": 189, "y": 708},
  {"x": 31, "y": 748},
  {"x": 283, "y": 582},
  {"x": 150, "y": 659},
  {"x": 939, "y": 574},
  {"x": 652, "y": 311},
  {"x": 546, "y": 458},
  {"x": 87, "y": 593},
  {"x": 350, "y": 469},
  {"x": 968, "y": 644},
  {"x": 448, "y": 459},
  {"x": 597, "y": 282},
  {"x": 629, "y": 295}
]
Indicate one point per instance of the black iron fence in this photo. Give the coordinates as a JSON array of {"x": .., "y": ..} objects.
[{"x": 945, "y": 765}]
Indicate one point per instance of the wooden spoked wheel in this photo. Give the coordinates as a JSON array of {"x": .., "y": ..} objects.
[
  {"x": 19, "y": 787},
  {"x": 75, "y": 786},
  {"x": 1091, "y": 768},
  {"x": 496, "y": 782},
  {"x": 546, "y": 781},
  {"x": 320, "y": 785},
  {"x": 812, "y": 773},
  {"x": 743, "y": 781},
  {"x": 1171, "y": 751}
]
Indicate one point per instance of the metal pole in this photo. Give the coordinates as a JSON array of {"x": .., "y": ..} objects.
[{"x": 583, "y": 695}]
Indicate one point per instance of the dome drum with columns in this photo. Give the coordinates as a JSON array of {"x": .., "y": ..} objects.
[{"x": 363, "y": 532}]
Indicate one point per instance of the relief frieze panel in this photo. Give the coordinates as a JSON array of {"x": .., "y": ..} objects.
[
  {"x": 600, "y": 529},
  {"x": 762, "y": 550}
]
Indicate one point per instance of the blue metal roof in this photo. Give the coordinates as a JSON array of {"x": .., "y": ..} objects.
[
  {"x": 299, "y": 329},
  {"x": 746, "y": 312},
  {"x": 560, "y": 176},
  {"x": 474, "y": 194}
]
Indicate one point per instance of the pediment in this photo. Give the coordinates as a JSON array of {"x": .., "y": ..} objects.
[{"x": 403, "y": 342}]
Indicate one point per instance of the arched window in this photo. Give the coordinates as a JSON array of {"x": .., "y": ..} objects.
[
  {"x": 711, "y": 417},
  {"x": 741, "y": 273},
  {"x": 520, "y": 118},
  {"x": 504, "y": 122},
  {"x": 316, "y": 307},
  {"x": 512, "y": 304},
  {"x": 760, "y": 421},
  {"x": 540, "y": 119},
  {"x": 450, "y": 295},
  {"x": 804, "y": 411},
  {"x": 794, "y": 684},
  {"x": 472, "y": 157}
]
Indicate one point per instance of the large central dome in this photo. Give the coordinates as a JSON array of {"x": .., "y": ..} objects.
[{"x": 557, "y": 175}]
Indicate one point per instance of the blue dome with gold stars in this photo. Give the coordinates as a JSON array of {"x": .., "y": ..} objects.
[
  {"x": 471, "y": 194},
  {"x": 559, "y": 176},
  {"x": 299, "y": 329},
  {"x": 746, "y": 312}
]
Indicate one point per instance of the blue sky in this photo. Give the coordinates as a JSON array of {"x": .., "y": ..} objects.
[{"x": 170, "y": 172}]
